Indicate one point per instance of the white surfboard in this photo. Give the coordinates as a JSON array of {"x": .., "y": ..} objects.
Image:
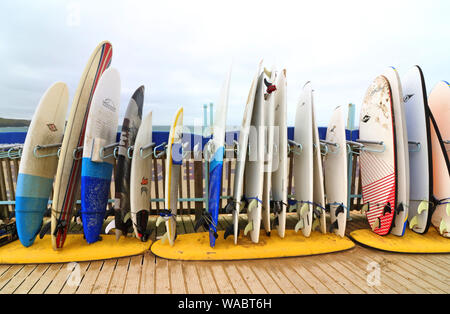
[
  {"x": 236, "y": 205},
  {"x": 319, "y": 214},
  {"x": 303, "y": 162},
  {"x": 269, "y": 119},
  {"x": 35, "y": 177},
  {"x": 439, "y": 102},
  {"x": 280, "y": 174},
  {"x": 335, "y": 171},
  {"x": 140, "y": 178},
  {"x": 173, "y": 169},
  {"x": 401, "y": 208},
  {"x": 254, "y": 167},
  {"x": 420, "y": 162}
]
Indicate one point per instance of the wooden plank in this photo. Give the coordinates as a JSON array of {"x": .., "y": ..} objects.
[
  {"x": 90, "y": 278},
  {"x": 180, "y": 191},
  {"x": 207, "y": 280},
  {"x": 148, "y": 274},
  {"x": 45, "y": 280},
  {"x": 188, "y": 184},
  {"x": 177, "y": 281},
  {"x": 17, "y": 280},
  {"x": 192, "y": 279},
  {"x": 162, "y": 279},
  {"x": 132, "y": 283},
  {"x": 252, "y": 281},
  {"x": 300, "y": 284},
  {"x": 324, "y": 278},
  {"x": 431, "y": 273},
  {"x": 70, "y": 286},
  {"x": 9, "y": 274},
  {"x": 4, "y": 209},
  {"x": 237, "y": 281},
  {"x": 117, "y": 283},
  {"x": 340, "y": 278},
  {"x": 31, "y": 280},
  {"x": 308, "y": 277},
  {"x": 267, "y": 281},
  {"x": 222, "y": 280},
  {"x": 101, "y": 285},
  {"x": 283, "y": 282}
]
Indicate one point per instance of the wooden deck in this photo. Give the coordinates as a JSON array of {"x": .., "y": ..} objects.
[{"x": 344, "y": 272}]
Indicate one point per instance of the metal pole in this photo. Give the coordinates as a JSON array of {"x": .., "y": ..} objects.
[{"x": 350, "y": 127}]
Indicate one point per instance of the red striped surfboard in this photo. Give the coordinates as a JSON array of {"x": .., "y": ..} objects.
[
  {"x": 378, "y": 169},
  {"x": 69, "y": 170}
]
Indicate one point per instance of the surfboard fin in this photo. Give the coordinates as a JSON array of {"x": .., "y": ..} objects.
[
  {"x": 230, "y": 207},
  {"x": 365, "y": 208},
  {"x": 315, "y": 224},
  {"x": 110, "y": 226},
  {"x": 164, "y": 238},
  {"x": 159, "y": 221},
  {"x": 376, "y": 224},
  {"x": 387, "y": 209},
  {"x": 447, "y": 209},
  {"x": 413, "y": 222},
  {"x": 423, "y": 206},
  {"x": 248, "y": 227},
  {"x": 127, "y": 217},
  {"x": 300, "y": 225},
  {"x": 334, "y": 226},
  {"x": 443, "y": 227},
  {"x": 253, "y": 204},
  {"x": 110, "y": 212},
  {"x": 228, "y": 231},
  {"x": 267, "y": 72},
  {"x": 304, "y": 210},
  {"x": 45, "y": 228}
]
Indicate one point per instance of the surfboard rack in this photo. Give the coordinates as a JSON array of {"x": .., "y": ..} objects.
[
  {"x": 42, "y": 147},
  {"x": 76, "y": 151},
  {"x": 114, "y": 153},
  {"x": 161, "y": 153},
  {"x": 362, "y": 144},
  {"x": 327, "y": 144},
  {"x": 417, "y": 145},
  {"x": 298, "y": 147},
  {"x": 14, "y": 152}
]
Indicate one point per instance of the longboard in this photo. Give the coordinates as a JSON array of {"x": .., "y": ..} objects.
[
  {"x": 254, "y": 166},
  {"x": 68, "y": 175},
  {"x": 402, "y": 169},
  {"x": 173, "y": 170},
  {"x": 378, "y": 166},
  {"x": 96, "y": 171},
  {"x": 280, "y": 174},
  {"x": 35, "y": 178},
  {"x": 439, "y": 102},
  {"x": 236, "y": 204},
  {"x": 303, "y": 161},
  {"x": 420, "y": 162},
  {"x": 216, "y": 163},
  {"x": 335, "y": 173},
  {"x": 140, "y": 179},
  {"x": 319, "y": 213},
  {"x": 130, "y": 127},
  {"x": 269, "y": 120}
]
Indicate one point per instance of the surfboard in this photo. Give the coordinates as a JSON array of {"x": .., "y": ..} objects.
[
  {"x": 303, "y": 162},
  {"x": 269, "y": 120},
  {"x": 402, "y": 169},
  {"x": 378, "y": 165},
  {"x": 217, "y": 146},
  {"x": 96, "y": 170},
  {"x": 236, "y": 205},
  {"x": 173, "y": 169},
  {"x": 36, "y": 174},
  {"x": 254, "y": 167},
  {"x": 68, "y": 174},
  {"x": 319, "y": 214},
  {"x": 420, "y": 162},
  {"x": 130, "y": 127},
  {"x": 280, "y": 174},
  {"x": 335, "y": 173},
  {"x": 140, "y": 179},
  {"x": 439, "y": 103}
]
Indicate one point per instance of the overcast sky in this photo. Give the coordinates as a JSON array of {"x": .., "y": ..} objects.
[{"x": 182, "y": 50}]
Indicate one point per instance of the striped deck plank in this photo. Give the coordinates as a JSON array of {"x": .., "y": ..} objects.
[{"x": 344, "y": 272}]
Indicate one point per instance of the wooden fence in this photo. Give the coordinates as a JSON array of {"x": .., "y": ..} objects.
[{"x": 192, "y": 184}]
